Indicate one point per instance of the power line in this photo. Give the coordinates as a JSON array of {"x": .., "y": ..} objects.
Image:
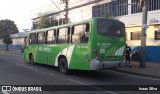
[
  {"x": 62, "y": 6},
  {"x": 57, "y": 6}
]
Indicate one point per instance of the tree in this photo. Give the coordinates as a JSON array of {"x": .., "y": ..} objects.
[
  {"x": 7, "y": 41},
  {"x": 44, "y": 22},
  {"x": 7, "y": 27}
]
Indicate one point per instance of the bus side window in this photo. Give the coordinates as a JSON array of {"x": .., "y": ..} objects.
[
  {"x": 50, "y": 37},
  {"x": 86, "y": 33},
  {"x": 32, "y": 38},
  {"x": 77, "y": 33},
  {"x": 68, "y": 34},
  {"x": 41, "y": 38},
  {"x": 87, "y": 27},
  {"x": 26, "y": 42},
  {"x": 45, "y": 37},
  {"x": 56, "y": 36},
  {"x": 72, "y": 32},
  {"x": 62, "y": 35}
]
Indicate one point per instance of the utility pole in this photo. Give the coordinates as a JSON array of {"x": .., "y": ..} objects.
[
  {"x": 144, "y": 5},
  {"x": 66, "y": 10}
]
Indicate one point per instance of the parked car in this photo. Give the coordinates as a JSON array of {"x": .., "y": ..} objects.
[{"x": 135, "y": 54}]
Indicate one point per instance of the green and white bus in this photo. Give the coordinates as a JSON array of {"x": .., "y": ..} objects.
[{"x": 94, "y": 44}]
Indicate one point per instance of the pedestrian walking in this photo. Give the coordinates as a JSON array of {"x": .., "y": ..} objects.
[{"x": 128, "y": 58}]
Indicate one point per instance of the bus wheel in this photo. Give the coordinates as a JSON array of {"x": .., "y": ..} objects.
[
  {"x": 31, "y": 59},
  {"x": 63, "y": 66}
]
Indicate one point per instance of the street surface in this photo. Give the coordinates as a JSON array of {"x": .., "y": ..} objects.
[{"x": 15, "y": 71}]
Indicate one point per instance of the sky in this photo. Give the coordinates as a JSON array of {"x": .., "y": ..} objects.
[{"x": 20, "y": 11}]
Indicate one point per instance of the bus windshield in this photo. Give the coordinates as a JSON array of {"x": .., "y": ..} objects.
[{"x": 110, "y": 27}]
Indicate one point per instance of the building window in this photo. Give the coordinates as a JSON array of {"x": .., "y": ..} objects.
[
  {"x": 114, "y": 8},
  {"x": 157, "y": 35},
  {"x": 152, "y": 5},
  {"x": 135, "y": 8},
  {"x": 96, "y": 11},
  {"x": 136, "y": 35}
]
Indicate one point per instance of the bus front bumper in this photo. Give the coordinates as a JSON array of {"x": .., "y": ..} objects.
[{"x": 96, "y": 65}]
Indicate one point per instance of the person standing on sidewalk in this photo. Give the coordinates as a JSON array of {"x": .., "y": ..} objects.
[{"x": 128, "y": 58}]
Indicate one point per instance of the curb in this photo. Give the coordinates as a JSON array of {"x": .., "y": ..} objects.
[
  {"x": 17, "y": 53},
  {"x": 138, "y": 73}
]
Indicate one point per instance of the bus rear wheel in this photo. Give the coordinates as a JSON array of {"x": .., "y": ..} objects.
[
  {"x": 63, "y": 66},
  {"x": 31, "y": 59}
]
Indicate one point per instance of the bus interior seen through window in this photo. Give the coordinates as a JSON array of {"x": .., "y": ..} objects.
[{"x": 79, "y": 34}]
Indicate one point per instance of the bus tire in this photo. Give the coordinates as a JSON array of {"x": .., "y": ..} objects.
[
  {"x": 63, "y": 66},
  {"x": 31, "y": 59}
]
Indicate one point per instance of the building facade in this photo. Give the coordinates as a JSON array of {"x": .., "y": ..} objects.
[
  {"x": 17, "y": 40},
  {"x": 126, "y": 11}
]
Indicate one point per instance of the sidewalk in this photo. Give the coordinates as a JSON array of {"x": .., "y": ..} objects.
[
  {"x": 11, "y": 51},
  {"x": 151, "y": 70}
]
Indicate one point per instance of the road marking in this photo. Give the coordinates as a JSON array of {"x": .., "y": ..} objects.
[
  {"x": 148, "y": 78},
  {"x": 77, "y": 82},
  {"x": 5, "y": 92},
  {"x": 92, "y": 86},
  {"x": 32, "y": 68},
  {"x": 27, "y": 67},
  {"x": 51, "y": 74}
]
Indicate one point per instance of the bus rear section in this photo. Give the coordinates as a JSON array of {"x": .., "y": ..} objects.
[{"x": 108, "y": 44}]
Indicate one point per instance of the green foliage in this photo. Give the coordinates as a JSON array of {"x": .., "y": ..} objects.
[
  {"x": 7, "y": 41},
  {"x": 7, "y": 27},
  {"x": 44, "y": 22},
  {"x": 141, "y": 3}
]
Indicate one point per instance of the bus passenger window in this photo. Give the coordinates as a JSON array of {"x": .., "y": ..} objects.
[
  {"x": 77, "y": 32},
  {"x": 84, "y": 37},
  {"x": 68, "y": 35},
  {"x": 26, "y": 42},
  {"x": 62, "y": 35},
  {"x": 50, "y": 37},
  {"x": 87, "y": 28},
  {"x": 32, "y": 38},
  {"x": 41, "y": 38},
  {"x": 85, "y": 34}
]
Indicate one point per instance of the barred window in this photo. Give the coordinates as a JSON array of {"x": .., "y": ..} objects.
[
  {"x": 96, "y": 11},
  {"x": 157, "y": 35},
  {"x": 136, "y": 35},
  {"x": 114, "y": 8},
  {"x": 152, "y": 5},
  {"x": 135, "y": 8}
]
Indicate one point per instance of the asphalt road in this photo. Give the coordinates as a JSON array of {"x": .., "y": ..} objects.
[{"x": 15, "y": 71}]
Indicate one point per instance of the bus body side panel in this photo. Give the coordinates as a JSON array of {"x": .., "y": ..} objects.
[
  {"x": 56, "y": 52},
  {"x": 31, "y": 49},
  {"x": 80, "y": 57}
]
